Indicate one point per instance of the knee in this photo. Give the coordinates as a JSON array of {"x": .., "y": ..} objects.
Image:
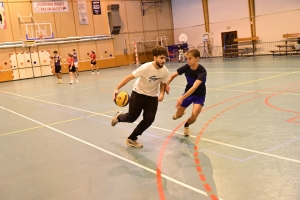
[{"x": 149, "y": 121}]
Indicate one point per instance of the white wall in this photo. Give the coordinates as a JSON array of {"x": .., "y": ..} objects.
[
  {"x": 273, "y": 19},
  {"x": 187, "y": 13},
  {"x": 271, "y": 27},
  {"x": 188, "y": 18},
  {"x": 276, "y": 18},
  {"x": 225, "y": 10},
  {"x": 263, "y": 7}
]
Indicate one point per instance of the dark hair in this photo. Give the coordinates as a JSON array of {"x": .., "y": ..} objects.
[
  {"x": 93, "y": 52},
  {"x": 55, "y": 51},
  {"x": 159, "y": 50},
  {"x": 194, "y": 52},
  {"x": 74, "y": 50},
  {"x": 71, "y": 55}
]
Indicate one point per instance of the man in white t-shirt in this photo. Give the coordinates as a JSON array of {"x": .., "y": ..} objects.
[{"x": 152, "y": 78}]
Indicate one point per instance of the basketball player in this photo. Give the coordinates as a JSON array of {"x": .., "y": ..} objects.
[
  {"x": 75, "y": 61},
  {"x": 57, "y": 66},
  {"x": 151, "y": 77},
  {"x": 93, "y": 62},
  {"x": 195, "y": 89},
  {"x": 180, "y": 54},
  {"x": 72, "y": 69}
]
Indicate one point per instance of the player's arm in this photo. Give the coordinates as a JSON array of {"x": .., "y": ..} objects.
[
  {"x": 188, "y": 93},
  {"x": 122, "y": 83},
  {"x": 162, "y": 91},
  {"x": 170, "y": 79}
]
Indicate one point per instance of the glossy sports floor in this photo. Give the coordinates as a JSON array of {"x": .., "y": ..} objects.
[{"x": 56, "y": 141}]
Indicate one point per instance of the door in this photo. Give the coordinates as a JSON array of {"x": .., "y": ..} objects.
[{"x": 230, "y": 47}]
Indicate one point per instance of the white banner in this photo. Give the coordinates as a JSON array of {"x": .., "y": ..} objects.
[
  {"x": 51, "y": 6},
  {"x": 2, "y": 17},
  {"x": 82, "y": 11}
]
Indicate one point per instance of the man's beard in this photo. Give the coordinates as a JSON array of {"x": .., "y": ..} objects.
[{"x": 159, "y": 65}]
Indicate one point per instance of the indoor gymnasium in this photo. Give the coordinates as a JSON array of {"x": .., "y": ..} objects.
[{"x": 149, "y": 100}]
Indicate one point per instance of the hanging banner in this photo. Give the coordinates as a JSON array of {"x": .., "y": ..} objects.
[
  {"x": 96, "y": 7},
  {"x": 82, "y": 12},
  {"x": 50, "y": 7},
  {"x": 2, "y": 17}
]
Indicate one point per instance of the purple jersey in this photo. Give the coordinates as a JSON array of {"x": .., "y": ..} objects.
[{"x": 57, "y": 60}]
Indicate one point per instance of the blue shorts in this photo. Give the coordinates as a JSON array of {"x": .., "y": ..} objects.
[{"x": 193, "y": 99}]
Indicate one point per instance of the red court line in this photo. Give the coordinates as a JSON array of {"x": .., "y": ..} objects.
[
  {"x": 160, "y": 157},
  {"x": 293, "y": 120},
  {"x": 277, "y": 108},
  {"x": 197, "y": 142}
]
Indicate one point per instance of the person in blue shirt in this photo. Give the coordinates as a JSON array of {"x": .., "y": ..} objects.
[{"x": 195, "y": 89}]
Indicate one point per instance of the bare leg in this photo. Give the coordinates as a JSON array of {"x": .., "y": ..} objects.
[
  {"x": 71, "y": 77},
  {"x": 196, "y": 111},
  {"x": 179, "y": 112}
]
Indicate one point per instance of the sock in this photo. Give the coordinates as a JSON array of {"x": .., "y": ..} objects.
[{"x": 186, "y": 125}]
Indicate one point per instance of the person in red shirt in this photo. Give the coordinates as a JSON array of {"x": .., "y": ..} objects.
[
  {"x": 72, "y": 69},
  {"x": 93, "y": 62}
]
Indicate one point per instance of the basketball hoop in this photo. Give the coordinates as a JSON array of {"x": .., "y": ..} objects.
[{"x": 41, "y": 37}]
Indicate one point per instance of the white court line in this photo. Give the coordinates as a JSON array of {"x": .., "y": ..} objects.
[
  {"x": 170, "y": 131},
  {"x": 110, "y": 153},
  {"x": 74, "y": 90}
]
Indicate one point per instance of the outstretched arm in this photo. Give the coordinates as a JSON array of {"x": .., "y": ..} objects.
[
  {"x": 122, "y": 83},
  {"x": 170, "y": 79}
]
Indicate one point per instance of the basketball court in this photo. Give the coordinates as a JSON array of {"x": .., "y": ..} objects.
[{"x": 57, "y": 141}]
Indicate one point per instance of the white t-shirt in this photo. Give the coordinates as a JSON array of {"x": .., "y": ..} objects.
[{"x": 149, "y": 78}]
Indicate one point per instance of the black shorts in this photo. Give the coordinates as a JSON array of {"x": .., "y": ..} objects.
[
  {"x": 57, "y": 69},
  {"x": 72, "y": 69},
  {"x": 93, "y": 62}
]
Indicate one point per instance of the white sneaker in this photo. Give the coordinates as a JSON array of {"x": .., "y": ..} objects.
[
  {"x": 71, "y": 82},
  {"x": 133, "y": 143},
  {"x": 93, "y": 73},
  {"x": 186, "y": 131},
  {"x": 97, "y": 72},
  {"x": 77, "y": 80},
  {"x": 115, "y": 120}
]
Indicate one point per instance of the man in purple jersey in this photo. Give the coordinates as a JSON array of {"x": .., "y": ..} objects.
[{"x": 57, "y": 66}]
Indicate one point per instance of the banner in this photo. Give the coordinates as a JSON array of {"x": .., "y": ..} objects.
[
  {"x": 2, "y": 17},
  {"x": 96, "y": 7},
  {"x": 50, "y": 7},
  {"x": 82, "y": 12}
]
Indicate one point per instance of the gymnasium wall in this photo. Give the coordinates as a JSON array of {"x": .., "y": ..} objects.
[
  {"x": 156, "y": 22},
  {"x": 273, "y": 19}
]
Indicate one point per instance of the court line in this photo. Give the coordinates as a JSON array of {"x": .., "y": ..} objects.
[
  {"x": 108, "y": 152},
  {"x": 43, "y": 86},
  {"x": 74, "y": 90},
  {"x": 208, "y": 140},
  {"x": 199, "y": 169},
  {"x": 259, "y": 79}
]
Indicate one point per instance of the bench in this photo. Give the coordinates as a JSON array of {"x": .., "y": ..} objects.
[
  {"x": 236, "y": 50},
  {"x": 288, "y": 48}
]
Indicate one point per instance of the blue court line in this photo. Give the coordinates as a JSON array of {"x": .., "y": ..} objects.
[{"x": 273, "y": 148}]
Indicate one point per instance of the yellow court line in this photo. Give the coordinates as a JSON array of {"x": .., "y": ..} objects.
[{"x": 258, "y": 80}]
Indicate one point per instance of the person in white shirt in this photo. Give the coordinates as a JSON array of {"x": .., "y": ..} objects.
[
  {"x": 152, "y": 77},
  {"x": 75, "y": 61}
]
